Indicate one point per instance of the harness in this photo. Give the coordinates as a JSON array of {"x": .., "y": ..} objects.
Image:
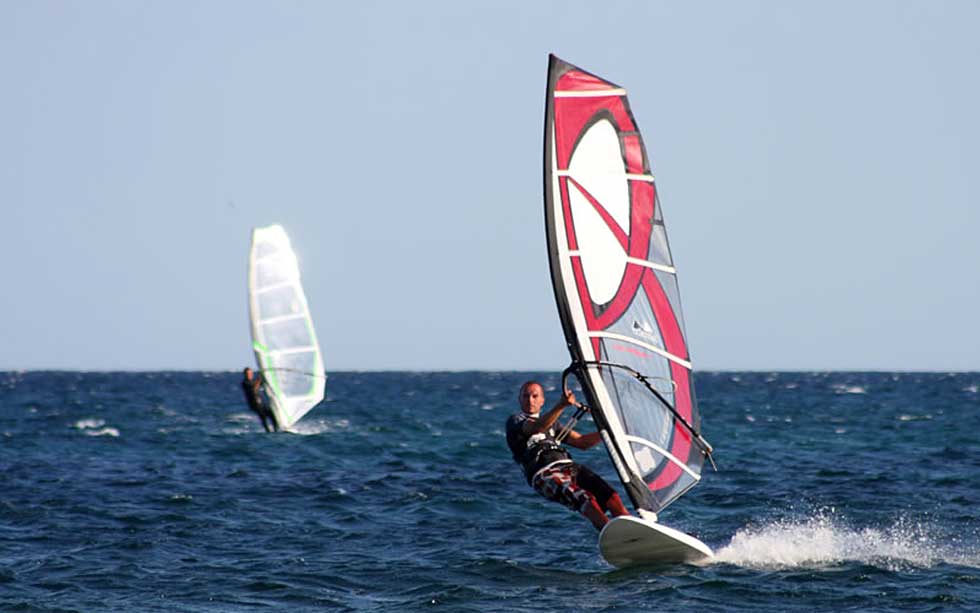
[{"x": 533, "y": 453}]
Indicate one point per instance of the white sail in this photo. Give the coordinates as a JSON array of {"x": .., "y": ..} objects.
[{"x": 283, "y": 338}]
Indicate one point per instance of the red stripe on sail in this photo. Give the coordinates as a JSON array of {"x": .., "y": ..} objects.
[
  {"x": 617, "y": 231},
  {"x": 670, "y": 329},
  {"x": 633, "y": 153}
]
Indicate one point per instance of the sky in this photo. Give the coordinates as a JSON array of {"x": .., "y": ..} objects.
[{"x": 817, "y": 165}]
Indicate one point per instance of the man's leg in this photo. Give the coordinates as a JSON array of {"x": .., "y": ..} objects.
[
  {"x": 558, "y": 486},
  {"x": 594, "y": 514},
  {"x": 604, "y": 494},
  {"x": 616, "y": 506}
]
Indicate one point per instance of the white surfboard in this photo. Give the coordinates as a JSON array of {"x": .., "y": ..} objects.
[{"x": 628, "y": 541}]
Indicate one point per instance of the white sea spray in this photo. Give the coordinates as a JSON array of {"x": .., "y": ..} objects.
[{"x": 825, "y": 540}]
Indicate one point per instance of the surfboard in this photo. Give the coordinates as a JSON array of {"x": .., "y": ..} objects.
[
  {"x": 618, "y": 300},
  {"x": 629, "y": 541}
]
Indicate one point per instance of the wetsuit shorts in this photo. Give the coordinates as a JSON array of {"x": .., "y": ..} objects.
[{"x": 572, "y": 485}]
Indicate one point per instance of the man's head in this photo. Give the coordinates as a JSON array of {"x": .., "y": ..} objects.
[
  {"x": 247, "y": 372},
  {"x": 531, "y": 397}
]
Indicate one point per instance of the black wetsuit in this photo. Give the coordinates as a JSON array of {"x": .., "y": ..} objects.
[
  {"x": 538, "y": 452},
  {"x": 533, "y": 452},
  {"x": 258, "y": 405}
]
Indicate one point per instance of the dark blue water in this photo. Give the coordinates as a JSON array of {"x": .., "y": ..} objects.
[{"x": 159, "y": 491}]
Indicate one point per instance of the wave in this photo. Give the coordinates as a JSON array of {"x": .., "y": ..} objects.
[
  {"x": 85, "y": 424},
  {"x": 103, "y": 432},
  {"x": 95, "y": 427},
  {"x": 842, "y": 388},
  {"x": 906, "y": 417},
  {"x": 248, "y": 423},
  {"x": 823, "y": 541},
  {"x": 320, "y": 426}
]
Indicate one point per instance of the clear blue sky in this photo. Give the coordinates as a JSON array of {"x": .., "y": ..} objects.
[{"x": 818, "y": 165}]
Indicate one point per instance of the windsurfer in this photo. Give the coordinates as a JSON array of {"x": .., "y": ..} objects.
[
  {"x": 549, "y": 468},
  {"x": 252, "y": 386}
]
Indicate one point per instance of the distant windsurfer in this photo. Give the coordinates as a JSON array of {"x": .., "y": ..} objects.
[
  {"x": 549, "y": 468},
  {"x": 252, "y": 386}
]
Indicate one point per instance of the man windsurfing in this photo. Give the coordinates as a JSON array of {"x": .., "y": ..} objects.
[
  {"x": 549, "y": 468},
  {"x": 252, "y": 386}
]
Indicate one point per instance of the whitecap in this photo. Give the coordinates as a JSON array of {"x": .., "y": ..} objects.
[
  {"x": 840, "y": 388},
  {"x": 83, "y": 424},
  {"x": 926, "y": 417},
  {"x": 103, "y": 432}
]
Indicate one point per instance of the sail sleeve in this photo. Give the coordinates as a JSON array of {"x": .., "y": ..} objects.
[
  {"x": 616, "y": 285},
  {"x": 283, "y": 338}
]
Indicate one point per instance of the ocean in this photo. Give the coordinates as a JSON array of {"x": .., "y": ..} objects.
[{"x": 159, "y": 491}]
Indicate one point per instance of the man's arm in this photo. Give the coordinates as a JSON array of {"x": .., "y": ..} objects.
[{"x": 583, "y": 441}]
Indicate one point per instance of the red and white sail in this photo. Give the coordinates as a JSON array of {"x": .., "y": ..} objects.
[{"x": 616, "y": 286}]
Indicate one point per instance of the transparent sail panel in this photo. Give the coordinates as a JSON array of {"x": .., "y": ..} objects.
[
  {"x": 299, "y": 373},
  {"x": 662, "y": 449},
  {"x": 278, "y": 302},
  {"x": 287, "y": 334},
  {"x": 274, "y": 270},
  {"x": 659, "y": 250},
  {"x": 263, "y": 249},
  {"x": 668, "y": 283}
]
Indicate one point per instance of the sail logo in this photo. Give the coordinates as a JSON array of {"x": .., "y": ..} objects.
[
  {"x": 643, "y": 329},
  {"x": 631, "y": 350}
]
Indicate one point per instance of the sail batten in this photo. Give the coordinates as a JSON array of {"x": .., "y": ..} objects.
[
  {"x": 639, "y": 343},
  {"x": 292, "y": 350},
  {"x": 593, "y": 93},
  {"x": 615, "y": 286},
  {"x": 647, "y": 263},
  {"x": 283, "y": 337},
  {"x": 665, "y": 453},
  {"x": 274, "y": 286},
  {"x": 631, "y": 177}
]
